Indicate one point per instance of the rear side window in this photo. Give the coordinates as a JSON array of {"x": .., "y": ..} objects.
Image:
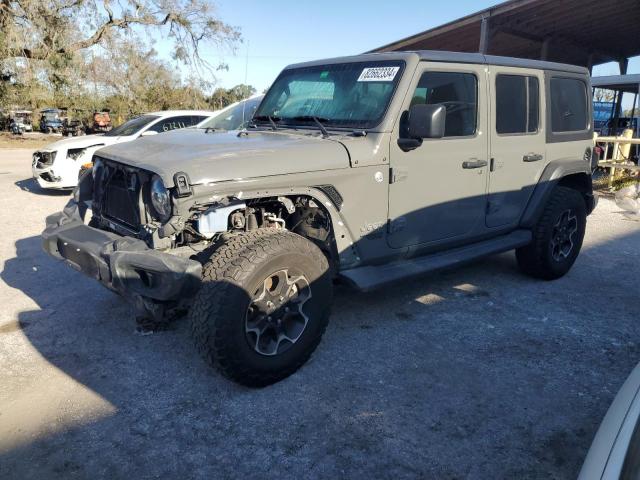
[
  {"x": 517, "y": 104},
  {"x": 173, "y": 123},
  {"x": 196, "y": 119},
  {"x": 568, "y": 105},
  {"x": 458, "y": 92}
]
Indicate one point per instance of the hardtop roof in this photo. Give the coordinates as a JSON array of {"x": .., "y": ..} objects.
[{"x": 451, "y": 57}]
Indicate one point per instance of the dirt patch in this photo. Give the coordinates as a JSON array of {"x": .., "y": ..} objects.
[
  {"x": 623, "y": 178},
  {"x": 11, "y": 327},
  {"x": 28, "y": 140}
]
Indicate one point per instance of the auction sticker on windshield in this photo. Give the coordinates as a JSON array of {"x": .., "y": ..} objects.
[{"x": 378, "y": 74}]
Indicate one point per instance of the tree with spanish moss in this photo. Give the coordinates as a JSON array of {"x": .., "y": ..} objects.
[
  {"x": 41, "y": 29},
  {"x": 59, "y": 41}
]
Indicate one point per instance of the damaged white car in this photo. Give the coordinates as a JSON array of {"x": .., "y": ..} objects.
[{"x": 59, "y": 164}]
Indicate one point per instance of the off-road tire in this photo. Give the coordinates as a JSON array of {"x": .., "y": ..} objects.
[
  {"x": 537, "y": 259},
  {"x": 235, "y": 268}
]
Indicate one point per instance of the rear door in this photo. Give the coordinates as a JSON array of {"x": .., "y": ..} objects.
[{"x": 517, "y": 142}]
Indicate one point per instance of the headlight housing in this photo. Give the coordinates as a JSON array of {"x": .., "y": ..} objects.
[{"x": 160, "y": 199}]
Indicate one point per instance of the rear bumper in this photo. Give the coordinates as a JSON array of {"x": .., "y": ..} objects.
[{"x": 123, "y": 264}]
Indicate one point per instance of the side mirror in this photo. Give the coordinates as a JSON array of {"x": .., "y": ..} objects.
[
  {"x": 427, "y": 121},
  {"x": 148, "y": 133}
]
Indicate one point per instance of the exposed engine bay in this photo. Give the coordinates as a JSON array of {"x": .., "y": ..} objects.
[{"x": 130, "y": 202}]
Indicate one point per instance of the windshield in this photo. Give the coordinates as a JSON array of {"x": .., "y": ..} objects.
[
  {"x": 235, "y": 117},
  {"x": 51, "y": 116},
  {"x": 353, "y": 95},
  {"x": 132, "y": 127}
]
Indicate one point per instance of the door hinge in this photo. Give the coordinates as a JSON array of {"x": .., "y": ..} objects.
[{"x": 397, "y": 174}]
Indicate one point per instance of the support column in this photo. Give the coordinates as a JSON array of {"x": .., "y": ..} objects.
[
  {"x": 590, "y": 63},
  {"x": 624, "y": 65},
  {"x": 544, "y": 51},
  {"x": 485, "y": 36}
]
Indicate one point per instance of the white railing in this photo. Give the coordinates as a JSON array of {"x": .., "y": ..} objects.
[{"x": 620, "y": 153}]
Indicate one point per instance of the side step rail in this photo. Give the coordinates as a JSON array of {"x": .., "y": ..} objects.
[{"x": 375, "y": 276}]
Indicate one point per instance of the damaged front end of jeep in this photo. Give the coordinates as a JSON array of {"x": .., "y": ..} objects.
[{"x": 147, "y": 242}]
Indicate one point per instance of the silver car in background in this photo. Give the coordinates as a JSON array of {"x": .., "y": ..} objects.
[{"x": 615, "y": 451}]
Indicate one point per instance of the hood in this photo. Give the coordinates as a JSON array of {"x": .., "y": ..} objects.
[
  {"x": 81, "y": 142},
  {"x": 219, "y": 156}
]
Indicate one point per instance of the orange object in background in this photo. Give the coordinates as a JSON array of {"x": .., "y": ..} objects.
[{"x": 101, "y": 122}]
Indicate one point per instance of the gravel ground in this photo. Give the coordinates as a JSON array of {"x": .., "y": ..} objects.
[{"x": 475, "y": 373}]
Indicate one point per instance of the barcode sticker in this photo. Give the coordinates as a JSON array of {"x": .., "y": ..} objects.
[{"x": 378, "y": 74}]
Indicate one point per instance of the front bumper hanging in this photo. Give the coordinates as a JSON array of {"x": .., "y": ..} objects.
[{"x": 124, "y": 264}]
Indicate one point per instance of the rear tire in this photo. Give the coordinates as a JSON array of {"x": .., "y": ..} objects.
[
  {"x": 263, "y": 306},
  {"x": 557, "y": 236}
]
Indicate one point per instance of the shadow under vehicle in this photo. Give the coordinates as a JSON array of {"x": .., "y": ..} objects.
[{"x": 369, "y": 169}]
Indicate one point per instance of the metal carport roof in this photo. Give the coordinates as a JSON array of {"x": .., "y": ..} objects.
[
  {"x": 580, "y": 32},
  {"x": 623, "y": 83}
]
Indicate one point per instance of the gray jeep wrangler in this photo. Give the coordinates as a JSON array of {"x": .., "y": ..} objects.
[{"x": 368, "y": 169}]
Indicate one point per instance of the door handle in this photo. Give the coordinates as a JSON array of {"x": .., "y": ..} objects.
[
  {"x": 473, "y": 163},
  {"x": 532, "y": 157}
]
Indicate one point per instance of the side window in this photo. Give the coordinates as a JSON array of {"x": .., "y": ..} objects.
[
  {"x": 196, "y": 119},
  {"x": 568, "y": 105},
  {"x": 458, "y": 92},
  {"x": 517, "y": 104},
  {"x": 171, "y": 123}
]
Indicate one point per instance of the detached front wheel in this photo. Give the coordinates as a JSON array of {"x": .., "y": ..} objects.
[{"x": 263, "y": 306}]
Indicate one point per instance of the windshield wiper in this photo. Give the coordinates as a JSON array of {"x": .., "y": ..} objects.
[
  {"x": 318, "y": 121},
  {"x": 272, "y": 120}
]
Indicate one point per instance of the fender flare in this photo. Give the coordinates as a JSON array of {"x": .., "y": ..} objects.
[{"x": 553, "y": 173}]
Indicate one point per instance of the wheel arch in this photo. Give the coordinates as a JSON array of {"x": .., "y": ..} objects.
[
  {"x": 326, "y": 196},
  {"x": 574, "y": 174}
]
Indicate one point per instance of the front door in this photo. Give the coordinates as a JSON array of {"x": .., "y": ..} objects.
[
  {"x": 437, "y": 192},
  {"x": 517, "y": 142}
]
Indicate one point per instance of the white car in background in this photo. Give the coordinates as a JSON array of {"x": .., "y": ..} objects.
[{"x": 58, "y": 165}]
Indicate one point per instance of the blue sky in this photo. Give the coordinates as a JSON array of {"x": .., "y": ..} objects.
[{"x": 277, "y": 33}]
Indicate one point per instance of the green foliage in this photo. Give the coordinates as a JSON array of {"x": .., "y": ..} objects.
[
  {"x": 88, "y": 55},
  {"x": 126, "y": 79},
  {"x": 223, "y": 97}
]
